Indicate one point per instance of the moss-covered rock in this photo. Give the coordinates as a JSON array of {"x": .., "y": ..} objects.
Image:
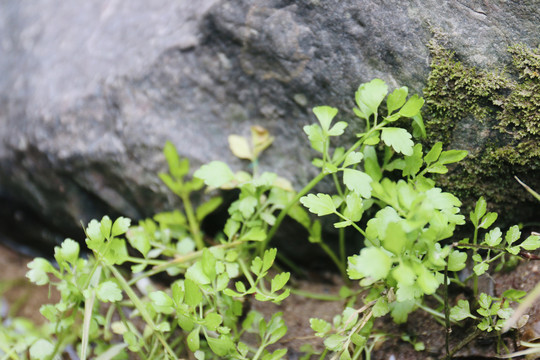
[{"x": 495, "y": 114}]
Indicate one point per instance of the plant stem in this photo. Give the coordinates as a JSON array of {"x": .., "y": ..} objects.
[
  {"x": 316, "y": 296},
  {"x": 446, "y": 314},
  {"x": 332, "y": 255},
  {"x": 193, "y": 223},
  {"x": 140, "y": 307}
]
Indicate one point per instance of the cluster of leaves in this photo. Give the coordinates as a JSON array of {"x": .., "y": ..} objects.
[
  {"x": 107, "y": 310},
  {"x": 111, "y": 310}
]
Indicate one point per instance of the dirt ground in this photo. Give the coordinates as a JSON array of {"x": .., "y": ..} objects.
[{"x": 20, "y": 298}]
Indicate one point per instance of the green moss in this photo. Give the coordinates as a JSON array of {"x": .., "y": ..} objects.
[{"x": 502, "y": 109}]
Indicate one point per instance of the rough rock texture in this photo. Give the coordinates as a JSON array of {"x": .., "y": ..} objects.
[{"x": 90, "y": 92}]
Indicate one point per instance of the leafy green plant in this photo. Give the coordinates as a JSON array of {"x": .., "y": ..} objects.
[{"x": 384, "y": 192}]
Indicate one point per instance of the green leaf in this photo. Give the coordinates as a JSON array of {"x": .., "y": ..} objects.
[
  {"x": 452, "y": 156},
  {"x": 108, "y": 291},
  {"x": 457, "y": 260},
  {"x": 215, "y": 174},
  {"x": 494, "y": 237},
  {"x": 93, "y": 231},
  {"x": 412, "y": 106},
  {"x": 353, "y": 158},
  {"x": 42, "y": 349},
  {"x": 335, "y": 342},
  {"x": 395, "y": 238},
  {"x": 414, "y": 162},
  {"x": 138, "y": 238},
  {"x": 396, "y": 99},
  {"x": 419, "y": 129},
  {"x": 512, "y": 235},
  {"x": 221, "y": 346},
  {"x": 68, "y": 251},
  {"x": 404, "y": 275},
  {"x": 193, "y": 339},
  {"x": 381, "y": 307},
  {"x": 481, "y": 268},
  {"x": 372, "y": 263},
  {"x": 207, "y": 208},
  {"x": 325, "y": 114},
  {"x": 437, "y": 169},
  {"x": 320, "y": 204},
  {"x": 276, "y": 355},
  {"x": 316, "y": 136},
  {"x": 212, "y": 321},
  {"x": 279, "y": 281},
  {"x": 320, "y": 327},
  {"x": 39, "y": 269},
  {"x": 514, "y": 295},
  {"x": 178, "y": 168},
  {"x": 161, "y": 302},
  {"x": 357, "y": 181},
  {"x": 120, "y": 226},
  {"x": 370, "y": 95},
  {"x": 399, "y": 139},
  {"x": 531, "y": 243},
  {"x": 105, "y": 226},
  {"x": 268, "y": 259},
  {"x": 400, "y": 310},
  {"x": 338, "y": 128},
  {"x": 192, "y": 294},
  {"x": 254, "y": 234},
  {"x": 197, "y": 273},
  {"x": 479, "y": 211},
  {"x": 427, "y": 282},
  {"x": 433, "y": 154},
  {"x": 488, "y": 220},
  {"x": 461, "y": 311}
]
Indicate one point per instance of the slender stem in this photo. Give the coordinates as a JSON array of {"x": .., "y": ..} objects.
[
  {"x": 140, "y": 307},
  {"x": 475, "y": 251},
  {"x": 446, "y": 314},
  {"x": 332, "y": 255},
  {"x": 316, "y": 296},
  {"x": 247, "y": 273},
  {"x": 193, "y": 223}
]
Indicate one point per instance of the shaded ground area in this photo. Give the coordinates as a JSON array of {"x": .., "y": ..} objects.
[{"x": 20, "y": 298}]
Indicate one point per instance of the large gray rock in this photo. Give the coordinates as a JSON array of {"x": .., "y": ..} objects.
[{"x": 90, "y": 91}]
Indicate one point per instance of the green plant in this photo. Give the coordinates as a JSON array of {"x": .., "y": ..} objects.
[{"x": 384, "y": 191}]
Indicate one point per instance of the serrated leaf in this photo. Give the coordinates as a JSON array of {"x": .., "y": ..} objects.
[
  {"x": 353, "y": 158},
  {"x": 372, "y": 263},
  {"x": 412, "y": 106},
  {"x": 93, "y": 230},
  {"x": 316, "y": 137},
  {"x": 215, "y": 174},
  {"x": 461, "y": 311},
  {"x": 457, "y": 260},
  {"x": 437, "y": 169},
  {"x": 404, "y": 275},
  {"x": 355, "y": 207},
  {"x": 120, "y": 226},
  {"x": 254, "y": 234},
  {"x": 178, "y": 168},
  {"x": 488, "y": 220},
  {"x": 396, "y": 99},
  {"x": 279, "y": 281},
  {"x": 427, "y": 282},
  {"x": 320, "y": 326},
  {"x": 109, "y": 291},
  {"x": 512, "y": 235},
  {"x": 357, "y": 181},
  {"x": 138, "y": 238},
  {"x": 399, "y": 139},
  {"x": 480, "y": 268},
  {"x": 381, "y": 307},
  {"x": 239, "y": 146},
  {"x": 395, "y": 238},
  {"x": 494, "y": 237},
  {"x": 68, "y": 251},
  {"x": 39, "y": 269},
  {"x": 479, "y": 210},
  {"x": 531, "y": 243},
  {"x": 370, "y": 95},
  {"x": 325, "y": 114},
  {"x": 105, "y": 226},
  {"x": 320, "y": 204},
  {"x": 452, "y": 156},
  {"x": 414, "y": 162},
  {"x": 433, "y": 154},
  {"x": 338, "y": 128}
]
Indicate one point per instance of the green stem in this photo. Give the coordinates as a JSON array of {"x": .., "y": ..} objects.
[
  {"x": 332, "y": 255},
  {"x": 193, "y": 223},
  {"x": 247, "y": 273},
  {"x": 316, "y": 296},
  {"x": 475, "y": 251},
  {"x": 140, "y": 307}
]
